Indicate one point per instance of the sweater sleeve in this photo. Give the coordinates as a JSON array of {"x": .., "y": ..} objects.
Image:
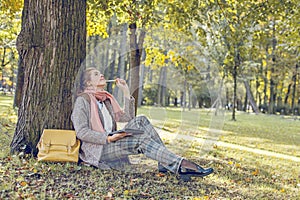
[
  {"x": 129, "y": 110},
  {"x": 81, "y": 121}
]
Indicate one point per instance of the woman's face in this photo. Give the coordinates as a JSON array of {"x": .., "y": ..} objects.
[{"x": 97, "y": 79}]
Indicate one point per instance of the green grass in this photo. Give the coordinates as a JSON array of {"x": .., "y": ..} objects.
[
  {"x": 8, "y": 119},
  {"x": 269, "y": 132},
  {"x": 238, "y": 174}
]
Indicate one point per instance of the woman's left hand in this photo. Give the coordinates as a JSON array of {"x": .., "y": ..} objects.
[
  {"x": 117, "y": 137},
  {"x": 121, "y": 83}
]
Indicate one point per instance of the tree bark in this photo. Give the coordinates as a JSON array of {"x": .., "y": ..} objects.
[{"x": 51, "y": 47}]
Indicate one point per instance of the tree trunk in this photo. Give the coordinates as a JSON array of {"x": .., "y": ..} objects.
[
  {"x": 161, "y": 92},
  {"x": 142, "y": 78},
  {"x": 2, "y": 66},
  {"x": 51, "y": 47},
  {"x": 286, "y": 98},
  {"x": 245, "y": 102},
  {"x": 250, "y": 97},
  {"x": 135, "y": 57},
  {"x": 190, "y": 96},
  {"x": 265, "y": 90},
  {"x": 183, "y": 97},
  {"x": 272, "y": 81},
  {"x": 294, "y": 87},
  {"x": 111, "y": 67},
  {"x": 19, "y": 85},
  {"x": 258, "y": 94},
  {"x": 234, "y": 74},
  {"x": 122, "y": 57}
]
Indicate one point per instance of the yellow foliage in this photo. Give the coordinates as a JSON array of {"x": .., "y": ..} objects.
[
  {"x": 264, "y": 63},
  {"x": 269, "y": 74},
  {"x": 231, "y": 28},
  {"x": 96, "y": 23},
  {"x": 9, "y": 82},
  {"x": 11, "y": 6}
]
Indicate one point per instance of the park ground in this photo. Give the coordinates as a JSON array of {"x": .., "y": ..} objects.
[{"x": 255, "y": 157}]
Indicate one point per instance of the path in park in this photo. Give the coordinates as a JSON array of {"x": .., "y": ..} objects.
[{"x": 168, "y": 135}]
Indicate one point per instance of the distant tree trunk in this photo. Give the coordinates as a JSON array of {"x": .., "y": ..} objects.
[
  {"x": 111, "y": 67},
  {"x": 19, "y": 85},
  {"x": 142, "y": 78},
  {"x": 257, "y": 93},
  {"x": 161, "y": 94},
  {"x": 183, "y": 97},
  {"x": 122, "y": 57},
  {"x": 51, "y": 47},
  {"x": 287, "y": 94},
  {"x": 272, "y": 81},
  {"x": 234, "y": 74},
  {"x": 250, "y": 97},
  {"x": 272, "y": 94},
  {"x": 294, "y": 87},
  {"x": 245, "y": 102},
  {"x": 265, "y": 88},
  {"x": 3, "y": 64},
  {"x": 175, "y": 101},
  {"x": 190, "y": 95},
  {"x": 136, "y": 45}
]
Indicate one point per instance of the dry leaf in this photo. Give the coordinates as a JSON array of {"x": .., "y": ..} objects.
[{"x": 255, "y": 173}]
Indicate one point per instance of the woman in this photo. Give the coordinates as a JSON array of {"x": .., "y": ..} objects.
[{"x": 94, "y": 117}]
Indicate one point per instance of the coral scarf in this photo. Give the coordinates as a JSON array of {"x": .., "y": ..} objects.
[{"x": 101, "y": 96}]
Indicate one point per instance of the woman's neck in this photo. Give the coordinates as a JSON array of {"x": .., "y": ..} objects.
[{"x": 96, "y": 89}]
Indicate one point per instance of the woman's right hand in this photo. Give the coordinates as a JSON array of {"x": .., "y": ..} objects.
[{"x": 117, "y": 137}]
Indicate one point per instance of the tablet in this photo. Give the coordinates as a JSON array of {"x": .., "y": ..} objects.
[{"x": 127, "y": 130}]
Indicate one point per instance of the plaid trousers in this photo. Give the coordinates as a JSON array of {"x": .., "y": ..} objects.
[{"x": 149, "y": 143}]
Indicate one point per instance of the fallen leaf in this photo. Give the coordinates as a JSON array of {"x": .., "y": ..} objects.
[
  {"x": 23, "y": 183},
  {"x": 237, "y": 165},
  {"x": 160, "y": 175},
  {"x": 255, "y": 173},
  {"x": 126, "y": 192}
]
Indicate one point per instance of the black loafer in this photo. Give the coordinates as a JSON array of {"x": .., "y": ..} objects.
[{"x": 186, "y": 174}]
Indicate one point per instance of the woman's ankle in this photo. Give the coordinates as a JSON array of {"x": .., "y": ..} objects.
[{"x": 188, "y": 165}]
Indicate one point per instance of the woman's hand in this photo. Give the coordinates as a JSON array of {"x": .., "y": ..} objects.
[
  {"x": 117, "y": 137},
  {"x": 121, "y": 83}
]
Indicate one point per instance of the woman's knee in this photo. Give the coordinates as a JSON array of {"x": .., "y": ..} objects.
[{"x": 143, "y": 119}]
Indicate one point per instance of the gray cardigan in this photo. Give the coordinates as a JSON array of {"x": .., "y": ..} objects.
[{"x": 92, "y": 141}]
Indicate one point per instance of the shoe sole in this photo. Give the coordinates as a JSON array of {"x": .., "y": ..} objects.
[{"x": 188, "y": 177}]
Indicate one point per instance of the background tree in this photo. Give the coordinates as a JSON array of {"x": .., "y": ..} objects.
[
  {"x": 10, "y": 16},
  {"x": 51, "y": 47}
]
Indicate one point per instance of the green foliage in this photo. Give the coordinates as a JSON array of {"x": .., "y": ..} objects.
[{"x": 150, "y": 93}]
